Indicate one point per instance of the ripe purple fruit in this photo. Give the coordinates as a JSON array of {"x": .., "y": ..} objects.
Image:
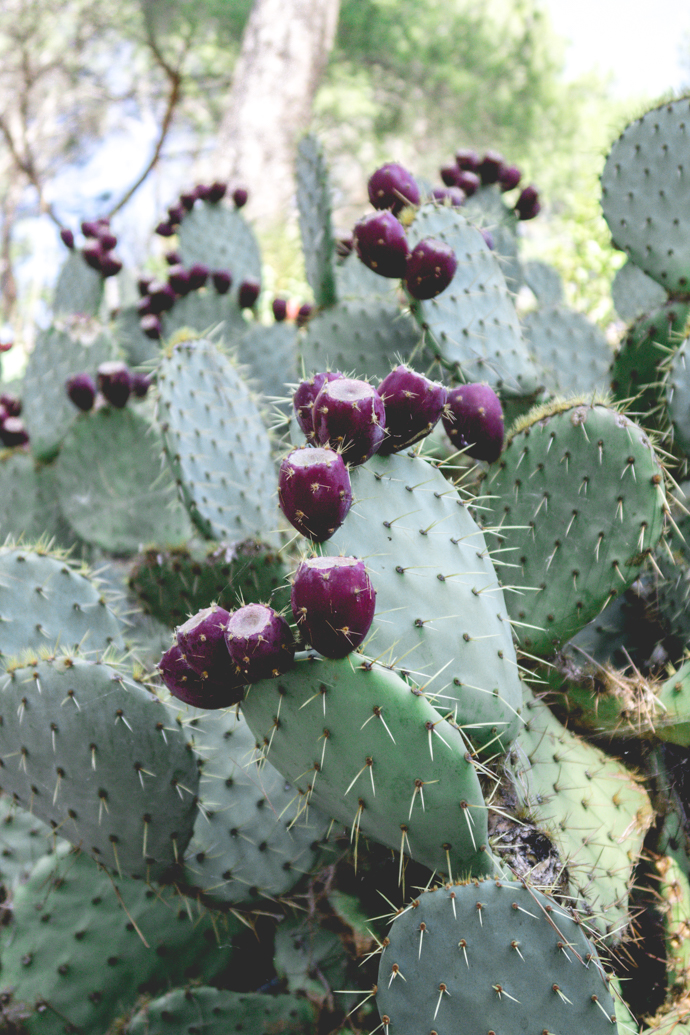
[
  {"x": 202, "y": 642},
  {"x": 198, "y": 275},
  {"x": 143, "y": 284},
  {"x": 176, "y": 214},
  {"x": 467, "y": 159},
  {"x": 430, "y": 268},
  {"x": 490, "y": 167},
  {"x": 216, "y": 191},
  {"x": 473, "y": 421},
  {"x": 11, "y": 404},
  {"x": 303, "y": 314},
  {"x": 527, "y": 205},
  {"x": 172, "y": 259},
  {"x": 165, "y": 229},
  {"x": 161, "y": 297},
  {"x": 449, "y": 175},
  {"x": 222, "y": 281},
  {"x": 82, "y": 391},
  {"x": 115, "y": 382},
  {"x": 201, "y": 191},
  {"x": 13, "y": 432},
  {"x": 414, "y": 405},
  {"x": 468, "y": 182},
  {"x": 279, "y": 309},
  {"x": 392, "y": 187},
  {"x": 382, "y": 245},
  {"x": 248, "y": 293},
  {"x": 187, "y": 199},
  {"x": 141, "y": 384},
  {"x": 67, "y": 237},
  {"x": 303, "y": 399},
  {"x": 90, "y": 228},
  {"x": 110, "y": 265},
  {"x": 151, "y": 326},
  {"x": 314, "y": 491},
  {"x": 349, "y": 415},
  {"x": 93, "y": 255},
  {"x": 259, "y": 642},
  {"x": 179, "y": 280},
  {"x": 449, "y": 195},
  {"x": 333, "y": 602},
  {"x": 510, "y": 177},
  {"x": 240, "y": 196},
  {"x": 187, "y": 685}
]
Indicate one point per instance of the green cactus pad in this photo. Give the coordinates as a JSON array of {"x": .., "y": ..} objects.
[
  {"x": 677, "y": 389},
  {"x": 221, "y": 238},
  {"x": 217, "y": 445},
  {"x": 111, "y": 486},
  {"x": 85, "y": 946},
  {"x": 46, "y": 599},
  {"x": 544, "y": 281},
  {"x": 79, "y": 288},
  {"x": 59, "y": 353},
  {"x": 269, "y": 355},
  {"x": 491, "y": 956},
  {"x": 310, "y": 960},
  {"x": 91, "y": 752},
  {"x": 18, "y": 494},
  {"x": 203, "y": 311},
  {"x": 368, "y": 336},
  {"x": 440, "y": 613},
  {"x": 355, "y": 280},
  {"x": 634, "y": 293},
  {"x": 171, "y": 585},
  {"x": 580, "y": 494},
  {"x": 644, "y": 189},
  {"x": 594, "y": 809},
  {"x": 218, "y": 1013},
  {"x": 24, "y": 839},
  {"x": 314, "y": 208},
  {"x": 673, "y": 697},
  {"x": 635, "y": 371},
  {"x": 674, "y": 892},
  {"x": 487, "y": 210},
  {"x": 472, "y": 326},
  {"x": 253, "y": 836},
  {"x": 571, "y": 351},
  {"x": 364, "y": 746}
]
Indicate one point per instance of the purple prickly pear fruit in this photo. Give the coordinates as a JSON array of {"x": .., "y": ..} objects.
[
  {"x": 240, "y": 196},
  {"x": 216, "y": 191},
  {"x": 449, "y": 196},
  {"x": 187, "y": 199},
  {"x": 115, "y": 382},
  {"x": 333, "y": 602},
  {"x": 222, "y": 281},
  {"x": 202, "y": 642},
  {"x": 449, "y": 175},
  {"x": 67, "y": 237},
  {"x": 144, "y": 282},
  {"x": 468, "y": 182},
  {"x": 151, "y": 326},
  {"x": 381, "y": 244},
  {"x": 392, "y": 187},
  {"x": 108, "y": 240},
  {"x": 467, "y": 159},
  {"x": 198, "y": 275},
  {"x": 110, "y": 265},
  {"x": 303, "y": 399},
  {"x": 93, "y": 255},
  {"x": 414, "y": 405},
  {"x": 176, "y": 214},
  {"x": 201, "y": 191},
  {"x": 509, "y": 178},
  {"x": 82, "y": 391},
  {"x": 473, "y": 421},
  {"x": 13, "y": 432},
  {"x": 527, "y": 205},
  {"x": 141, "y": 384},
  {"x": 173, "y": 258},
  {"x": 90, "y": 228},
  {"x": 488, "y": 238},
  {"x": 179, "y": 280},
  {"x": 344, "y": 245},
  {"x": 314, "y": 491},
  {"x": 144, "y": 306},
  {"x": 165, "y": 229},
  {"x": 259, "y": 642},
  {"x": 187, "y": 685},
  {"x": 11, "y": 404},
  {"x": 161, "y": 297},
  {"x": 303, "y": 314},
  {"x": 349, "y": 415},
  {"x": 279, "y": 309},
  {"x": 430, "y": 268},
  {"x": 248, "y": 293},
  {"x": 490, "y": 167}
]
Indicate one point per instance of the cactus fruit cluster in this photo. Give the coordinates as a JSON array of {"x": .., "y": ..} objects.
[{"x": 344, "y": 680}]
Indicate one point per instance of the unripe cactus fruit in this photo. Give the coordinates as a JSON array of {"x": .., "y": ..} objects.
[
  {"x": 333, "y": 602},
  {"x": 115, "y": 382},
  {"x": 82, "y": 391},
  {"x": 303, "y": 399},
  {"x": 349, "y": 415},
  {"x": 314, "y": 491},
  {"x": 392, "y": 187},
  {"x": 187, "y": 685},
  {"x": 473, "y": 421},
  {"x": 259, "y": 642},
  {"x": 413, "y": 405},
  {"x": 382, "y": 245},
  {"x": 430, "y": 268},
  {"x": 202, "y": 642}
]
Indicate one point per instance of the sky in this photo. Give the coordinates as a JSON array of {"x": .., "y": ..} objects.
[{"x": 639, "y": 42}]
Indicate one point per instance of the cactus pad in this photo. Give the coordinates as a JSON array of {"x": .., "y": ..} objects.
[
  {"x": 314, "y": 207},
  {"x": 571, "y": 351},
  {"x": 219, "y": 1012},
  {"x": 220, "y": 238},
  {"x": 79, "y": 288}
]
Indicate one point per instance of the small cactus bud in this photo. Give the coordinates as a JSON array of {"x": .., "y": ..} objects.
[
  {"x": 89, "y": 228},
  {"x": 201, "y": 190},
  {"x": 176, "y": 214},
  {"x": 173, "y": 258},
  {"x": 449, "y": 196},
  {"x": 93, "y": 255}
]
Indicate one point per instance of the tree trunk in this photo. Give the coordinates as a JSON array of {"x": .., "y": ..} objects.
[{"x": 285, "y": 48}]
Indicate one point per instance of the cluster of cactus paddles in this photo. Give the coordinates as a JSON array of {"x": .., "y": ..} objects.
[{"x": 345, "y": 679}]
